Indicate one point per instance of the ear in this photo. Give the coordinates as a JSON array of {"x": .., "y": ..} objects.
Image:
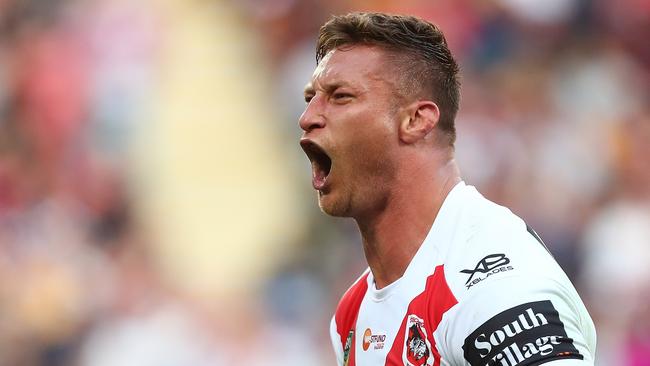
[{"x": 422, "y": 116}]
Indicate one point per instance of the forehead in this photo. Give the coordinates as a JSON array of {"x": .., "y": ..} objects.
[{"x": 357, "y": 65}]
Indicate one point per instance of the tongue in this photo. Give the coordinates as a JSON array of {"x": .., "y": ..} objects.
[{"x": 318, "y": 177}]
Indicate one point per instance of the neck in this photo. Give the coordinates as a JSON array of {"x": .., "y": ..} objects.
[{"x": 392, "y": 236}]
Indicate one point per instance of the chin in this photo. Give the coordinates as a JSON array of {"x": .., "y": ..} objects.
[{"x": 332, "y": 206}]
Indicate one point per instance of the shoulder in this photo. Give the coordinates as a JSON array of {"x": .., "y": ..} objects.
[
  {"x": 348, "y": 307},
  {"x": 501, "y": 260},
  {"x": 512, "y": 295},
  {"x": 345, "y": 316},
  {"x": 491, "y": 244}
]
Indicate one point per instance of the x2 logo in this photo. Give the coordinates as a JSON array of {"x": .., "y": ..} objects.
[
  {"x": 489, "y": 265},
  {"x": 417, "y": 348}
]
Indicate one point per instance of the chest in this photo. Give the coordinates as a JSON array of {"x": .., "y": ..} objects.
[{"x": 400, "y": 330}]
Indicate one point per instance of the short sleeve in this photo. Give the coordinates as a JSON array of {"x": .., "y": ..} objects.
[{"x": 516, "y": 321}]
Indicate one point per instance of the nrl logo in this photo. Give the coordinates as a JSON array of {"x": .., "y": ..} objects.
[{"x": 346, "y": 348}]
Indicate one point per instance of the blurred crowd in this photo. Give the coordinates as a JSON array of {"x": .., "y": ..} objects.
[{"x": 554, "y": 123}]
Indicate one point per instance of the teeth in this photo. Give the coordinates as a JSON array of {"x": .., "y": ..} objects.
[{"x": 321, "y": 162}]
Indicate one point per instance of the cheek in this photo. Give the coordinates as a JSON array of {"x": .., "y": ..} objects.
[
  {"x": 368, "y": 141},
  {"x": 378, "y": 141},
  {"x": 371, "y": 157}
]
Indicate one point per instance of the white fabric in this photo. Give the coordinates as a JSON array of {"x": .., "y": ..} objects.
[{"x": 467, "y": 229}]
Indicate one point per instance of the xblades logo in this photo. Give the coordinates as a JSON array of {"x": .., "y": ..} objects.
[
  {"x": 487, "y": 264},
  {"x": 491, "y": 264}
]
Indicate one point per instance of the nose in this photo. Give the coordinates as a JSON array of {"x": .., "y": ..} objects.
[{"x": 312, "y": 117}]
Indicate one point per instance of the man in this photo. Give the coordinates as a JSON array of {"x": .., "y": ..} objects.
[{"x": 453, "y": 278}]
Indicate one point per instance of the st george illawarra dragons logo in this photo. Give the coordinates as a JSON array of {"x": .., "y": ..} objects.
[{"x": 417, "y": 349}]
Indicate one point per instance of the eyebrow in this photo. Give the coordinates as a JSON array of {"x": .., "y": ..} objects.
[{"x": 309, "y": 89}]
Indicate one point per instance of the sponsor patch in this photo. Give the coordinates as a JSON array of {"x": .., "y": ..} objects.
[
  {"x": 417, "y": 348},
  {"x": 376, "y": 340},
  {"x": 486, "y": 267},
  {"x": 527, "y": 334}
]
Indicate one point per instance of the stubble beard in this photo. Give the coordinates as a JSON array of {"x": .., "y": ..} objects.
[
  {"x": 365, "y": 191},
  {"x": 354, "y": 201},
  {"x": 334, "y": 206}
]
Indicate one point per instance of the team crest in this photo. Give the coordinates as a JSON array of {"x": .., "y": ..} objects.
[{"x": 417, "y": 349}]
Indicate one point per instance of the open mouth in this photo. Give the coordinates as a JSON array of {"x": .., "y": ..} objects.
[{"x": 321, "y": 163}]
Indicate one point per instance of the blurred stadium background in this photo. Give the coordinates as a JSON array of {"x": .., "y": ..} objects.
[{"x": 155, "y": 208}]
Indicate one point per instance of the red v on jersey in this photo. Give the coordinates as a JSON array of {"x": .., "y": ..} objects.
[
  {"x": 346, "y": 317},
  {"x": 428, "y": 307}
]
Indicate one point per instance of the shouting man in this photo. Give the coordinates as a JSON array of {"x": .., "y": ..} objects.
[{"x": 453, "y": 278}]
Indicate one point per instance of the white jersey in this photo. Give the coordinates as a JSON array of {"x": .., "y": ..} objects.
[{"x": 481, "y": 290}]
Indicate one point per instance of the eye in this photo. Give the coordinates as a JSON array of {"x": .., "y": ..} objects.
[
  {"x": 308, "y": 98},
  {"x": 340, "y": 96}
]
